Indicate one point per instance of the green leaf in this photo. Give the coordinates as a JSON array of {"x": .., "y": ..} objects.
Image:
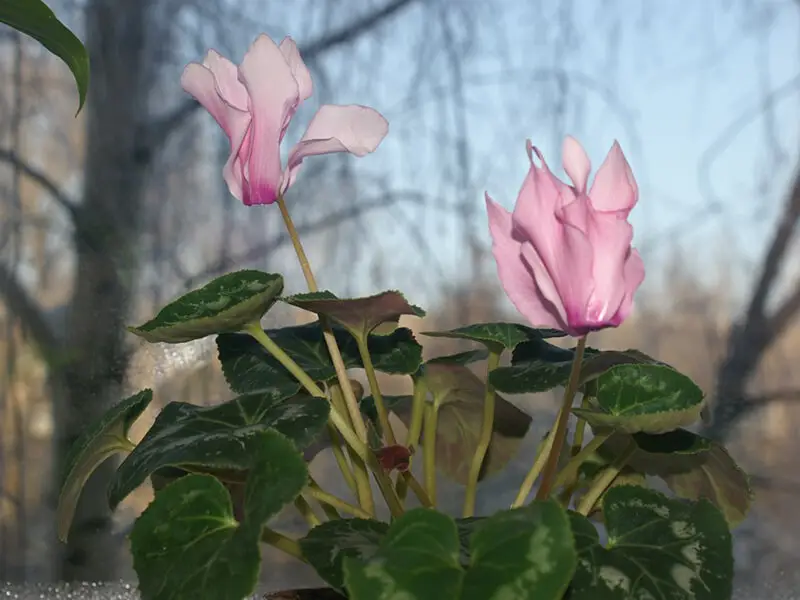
[
  {"x": 507, "y": 335},
  {"x": 525, "y": 553},
  {"x": 462, "y": 358},
  {"x": 458, "y": 395},
  {"x": 692, "y": 466},
  {"x": 34, "y": 18},
  {"x": 226, "y": 304},
  {"x": 100, "y": 441},
  {"x": 539, "y": 366},
  {"x": 326, "y": 546},
  {"x": 249, "y": 367},
  {"x": 647, "y": 398},
  {"x": 194, "y": 437},
  {"x": 188, "y": 544},
  {"x": 418, "y": 558},
  {"x": 360, "y": 316},
  {"x": 522, "y": 554},
  {"x": 659, "y": 548}
]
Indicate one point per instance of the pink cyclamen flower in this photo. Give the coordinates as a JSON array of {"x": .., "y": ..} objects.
[
  {"x": 564, "y": 255},
  {"x": 254, "y": 102}
]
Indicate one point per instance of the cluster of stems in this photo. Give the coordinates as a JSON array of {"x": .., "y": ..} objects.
[{"x": 359, "y": 463}]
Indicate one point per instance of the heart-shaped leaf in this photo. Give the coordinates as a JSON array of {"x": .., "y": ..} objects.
[
  {"x": 34, "y": 18},
  {"x": 326, "y": 546},
  {"x": 100, "y": 441},
  {"x": 659, "y": 548},
  {"x": 526, "y": 553},
  {"x": 458, "y": 395},
  {"x": 504, "y": 335},
  {"x": 360, "y": 316},
  {"x": 210, "y": 437},
  {"x": 417, "y": 558},
  {"x": 248, "y": 367},
  {"x": 188, "y": 543},
  {"x": 538, "y": 366},
  {"x": 227, "y": 303},
  {"x": 462, "y": 358},
  {"x": 522, "y": 554},
  {"x": 648, "y": 398},
  {"x": 692, "y": 466}
]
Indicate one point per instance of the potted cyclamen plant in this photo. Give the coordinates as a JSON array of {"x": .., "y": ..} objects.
[{"x": 564, "y": 258}]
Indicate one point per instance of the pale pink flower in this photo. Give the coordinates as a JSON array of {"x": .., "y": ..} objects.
[
  {"x": 564, "y": 255},
  {"x": 254, "y": 102}
]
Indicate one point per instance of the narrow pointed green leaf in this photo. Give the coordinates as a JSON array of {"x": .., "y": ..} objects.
[
  {"x": 360, "y": 316},
  {"x": 658, "y": 548},
  {"x": 100, "y": 441},
  {"x": 226, "y": 304},
  {"x": 35, "y": 19},
  {"x": 201, "y": 438},
  {"x": 188, "y": 543}
]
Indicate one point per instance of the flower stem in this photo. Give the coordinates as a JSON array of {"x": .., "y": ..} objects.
[
  {"x": 359, "y": 461},
  {"x": 604, "y": 480},
  {"x": 570, "y": 471},
  {"x": 429, "y": 450},
  {"x": 330, "y": 341},
  {"x": 536, "y": 468},
  {"x": 410, "y": 481},
  {"x": 358, "y": 446},
  {"x": 341, "y": 459},
  {"x": 485, "y": 437},
  {"x": 282, "y": 542},
  {"x": 380, "y": 405},
  {"x": 560, "y": 431},
  {"x": 307, "y": 512},
  {"x": 334, "y": 502}
]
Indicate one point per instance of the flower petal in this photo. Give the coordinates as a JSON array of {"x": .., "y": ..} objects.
[
  {"x": 354, "y": 129},
  {"x": 273, "y": 93},
  {"x": 614, "y": 187},
  {"x": 634, "y": 276},
  {"x": 226, "y": 79},
  {"x": 519, "y": 283},
  {"x": 576, "y": 163},
  {"x": 299, "y": 70}
]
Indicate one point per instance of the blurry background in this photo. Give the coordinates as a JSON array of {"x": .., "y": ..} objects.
[{"x": 105, "y": 217}]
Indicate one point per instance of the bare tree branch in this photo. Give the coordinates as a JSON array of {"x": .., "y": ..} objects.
[
  {"x": 156, "y": 133},
  {"x": 280, "y": 240},
  {"x": 30, "y": 315},
  {"x": 12, "y": 158}
]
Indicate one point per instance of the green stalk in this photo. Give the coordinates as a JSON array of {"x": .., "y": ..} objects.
[
  {"x": 358, "y": 446},
  {"x": 410, "y": 481},
  {"x": 359, "y": 461},
  {"x": 429, "y": 450},
  {"x": 604, "y": 480},
  {"x": 330, "y": 340},
  {"x": 560, "y": 431},
  {"x": 569, "y": 473},
  {"x": 536, "y": 468},
  {"x": 334, "y": 502},
  {"x": 282, "y": 542},
  {"x": 485, "y": 437},
  {"x": 304, "y": 508},
  {"x": 380, "y": 405},
  {"x": 329, "y": 511},
  {"x": 341, "y": 459}
]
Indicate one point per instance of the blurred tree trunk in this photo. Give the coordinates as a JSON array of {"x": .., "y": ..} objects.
[
  {"x": 758, "y": 328},
  {"x": 106, "y": 234}
]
